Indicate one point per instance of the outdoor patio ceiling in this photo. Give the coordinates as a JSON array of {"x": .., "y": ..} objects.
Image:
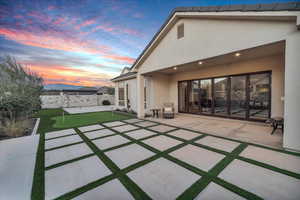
[{"x": 242, "y": 55}]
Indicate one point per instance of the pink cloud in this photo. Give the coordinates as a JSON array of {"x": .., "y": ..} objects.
[{"x": 56, "y": 41}]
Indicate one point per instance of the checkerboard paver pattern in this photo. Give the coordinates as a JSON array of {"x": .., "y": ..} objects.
[{"x": 171, "y": 173}]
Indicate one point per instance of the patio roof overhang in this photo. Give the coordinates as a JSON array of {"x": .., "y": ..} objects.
[
  {"x": 246, "y": 54},
  {"x": 213, "y": 12}
]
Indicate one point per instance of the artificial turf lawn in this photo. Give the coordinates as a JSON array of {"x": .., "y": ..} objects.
[
  {"x": 193, "y": 191},
  {"x": 77, "y": 120},
  {"x": 52, "y": 119}
]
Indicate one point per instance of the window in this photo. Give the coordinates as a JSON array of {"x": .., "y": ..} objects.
[
  {"x": 180, "y": 31},
  {"x": 121, "y": 95}
]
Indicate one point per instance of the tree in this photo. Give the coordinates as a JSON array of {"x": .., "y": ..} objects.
[{"x": 20, "y": 90}]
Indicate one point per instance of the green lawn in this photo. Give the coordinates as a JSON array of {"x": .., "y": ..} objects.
[
  {"x": 52, "y": 119},
  {"x": 76, "y": 120}
]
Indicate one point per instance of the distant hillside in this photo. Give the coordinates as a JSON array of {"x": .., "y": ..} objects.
[{"x": 61, "y": 87}]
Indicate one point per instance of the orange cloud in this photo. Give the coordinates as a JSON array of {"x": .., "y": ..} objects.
[{"x": 65, "y": 75}]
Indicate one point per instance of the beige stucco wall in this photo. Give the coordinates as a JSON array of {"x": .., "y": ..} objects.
[
  {"x": 273, "y": 63},
  {"x": 206, "y": 38}
]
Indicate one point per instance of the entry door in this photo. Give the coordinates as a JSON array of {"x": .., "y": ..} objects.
[{"x": 183, "y": 96}]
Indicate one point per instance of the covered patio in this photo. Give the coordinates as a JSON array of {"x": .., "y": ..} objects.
[{"x": 247, "y": 131}]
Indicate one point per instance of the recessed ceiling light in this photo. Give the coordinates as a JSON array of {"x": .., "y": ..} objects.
[
  {"x": 237, "y": 54},
  {"x": 175, "y": 68},
  {"x": 200, "y": 62}
]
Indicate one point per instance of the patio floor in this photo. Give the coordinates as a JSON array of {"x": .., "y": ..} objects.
[
  {"x": 136, "y": 159},
  {"x": 254, "y": 132}
]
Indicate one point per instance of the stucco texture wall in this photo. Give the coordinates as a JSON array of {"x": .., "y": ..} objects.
[
  {"x": 66, "y": 101},
  {"x": 207, "y": 38}
]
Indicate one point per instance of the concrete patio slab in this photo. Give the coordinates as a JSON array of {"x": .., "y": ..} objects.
[
  {"x": 133, "y": 120},
  {"x": 62, "y": 141},
  {"x": 66, "y": 178},
  {"x": 165, "y": 179},
  {"x": 261, "y": 181},
  {"x": 89, "y": 109},
  {"x": 116, "y": 123},
  {"x": 129, "y": 155},
  {"x": 214, "y": 191},
  {"x": 139, "y": 134},
  {"x": 255, "y": 132},
  {"x": 125, "y": 128},
  {"x": 66, "y": 153},
  {"x": 161, "y": 142},
  {"x": 112, "y": 190},
  {"x": 162, "y": 128},
  {"x": 99, "y": 133},
  {"x": 90, "y": 128},
  {"x": 145, "y": 124},
  {"x": 54, "y": 134},
  {"x": 108, "y": 142},
  {"x": 17, "y": 164},
  {"x": 277, "y": 159},
  {"x": 184, "y": 134},
  {"x": 198, "y": 157},
  {"x": 218, "y": 143}
]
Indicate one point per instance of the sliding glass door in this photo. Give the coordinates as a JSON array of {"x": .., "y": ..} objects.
[
  {"x": 206, "y": 96},
  {"x": 220, "y": 96},
  {"x": 245, "y": 96},
  {"x": 259, "y": 92},
  {"x": 238, "y": 104}
]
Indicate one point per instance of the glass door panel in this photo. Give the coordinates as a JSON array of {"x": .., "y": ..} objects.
[
  {"x": 206, "y": 96},
  {"x": 238, "y": 106},
  {"x": 183, "y": 94},
  {"x": 259, "y": 96},
  {"x": 194, "y": 98},
  {"x": 220, "y": 96}
]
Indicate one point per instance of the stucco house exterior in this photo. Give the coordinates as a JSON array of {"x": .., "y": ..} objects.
[{"x": 234, "y": 61}]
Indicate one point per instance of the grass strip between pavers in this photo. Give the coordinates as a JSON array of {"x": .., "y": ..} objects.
[
  {"x": 69, "y": 161},
  {"x": 135, "y": 190},
  {"x": 38, "y": 185}
]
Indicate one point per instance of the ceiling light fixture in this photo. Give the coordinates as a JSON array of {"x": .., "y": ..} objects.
[
  {"x": 237, "y": 54},
  {"x": 200, "y": 62},
  {"x": 175, "y": 68}
]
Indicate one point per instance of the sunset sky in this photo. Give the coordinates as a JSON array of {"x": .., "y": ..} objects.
[{"x": 84, "y": 42}]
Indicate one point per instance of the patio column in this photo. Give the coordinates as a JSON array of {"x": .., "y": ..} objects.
[
  {"x": 291, "y": 138},
  {"x": 117, "y": 94},
  {"x": 140, "y": 95}
]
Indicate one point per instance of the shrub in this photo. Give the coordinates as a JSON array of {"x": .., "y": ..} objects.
[{"x": 106, "y": 103}]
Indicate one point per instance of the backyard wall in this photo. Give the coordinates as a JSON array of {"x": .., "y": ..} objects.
[{"x": 66, "y": 101}]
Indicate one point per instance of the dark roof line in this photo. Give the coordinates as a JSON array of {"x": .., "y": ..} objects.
[
  {"x": 124, "y": 75},
  {"x": 289, "y": 6}
]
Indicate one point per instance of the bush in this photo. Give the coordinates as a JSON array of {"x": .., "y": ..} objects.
[{"x": 106, "y": 103}]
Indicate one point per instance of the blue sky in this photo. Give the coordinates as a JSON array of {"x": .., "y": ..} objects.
[{"x": 84, "y": 42}]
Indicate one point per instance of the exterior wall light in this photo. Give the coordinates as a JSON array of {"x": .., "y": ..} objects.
[{"x": 237, "y": 54}]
